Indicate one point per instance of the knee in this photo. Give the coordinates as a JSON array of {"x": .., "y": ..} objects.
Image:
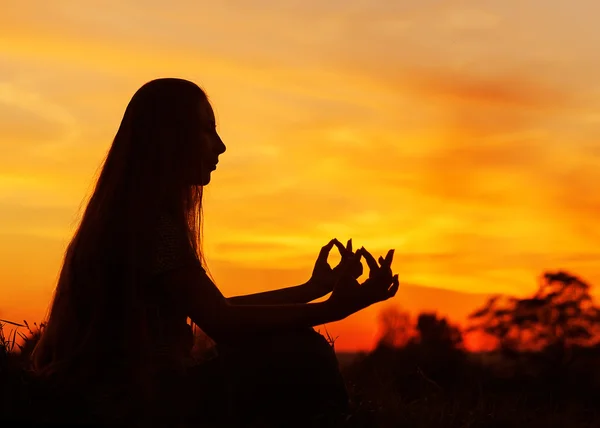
[
  {"x": 302, "y": 340},
  {"x": 301, "y": 346},
  {"x": 309, "y": 335},
  {"x": 297, "y": 349}
]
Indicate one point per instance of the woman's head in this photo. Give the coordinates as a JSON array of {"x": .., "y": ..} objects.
[
  {"x": 162, "y": 155},
  {"x": 171, "y": 135}
]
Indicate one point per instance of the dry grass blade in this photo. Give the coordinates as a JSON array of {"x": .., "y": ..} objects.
[
  {"x": 9, "y": 342},
  {"x": 13, "y": 323},
  {"x": 329, "y": 338},
  {"x": 428, "y": 379},
  {"x": 27, "y": 325},
  {"x": 13, "y": 340}
]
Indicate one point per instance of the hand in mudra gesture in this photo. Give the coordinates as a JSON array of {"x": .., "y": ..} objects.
[
  {"x": 349, "y": 296},
  {"x": 324, "y": 277}
]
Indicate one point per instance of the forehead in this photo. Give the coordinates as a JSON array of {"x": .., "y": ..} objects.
[{"x": 206, "y": 111}]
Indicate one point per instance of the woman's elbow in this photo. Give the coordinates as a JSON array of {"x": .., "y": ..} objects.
[{"x": 219, "y": 324}]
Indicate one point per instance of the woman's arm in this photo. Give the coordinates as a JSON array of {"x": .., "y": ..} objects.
[
  {"x": 239, "y": 322},
  {"x": 192, "y": 291},
  {"x": 302, "y": 293}
]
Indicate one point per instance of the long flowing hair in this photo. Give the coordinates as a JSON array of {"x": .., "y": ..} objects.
[{"x": 98, "y": 319}]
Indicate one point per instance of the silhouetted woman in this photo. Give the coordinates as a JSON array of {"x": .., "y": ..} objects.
[{"x": 117, "y": 332}]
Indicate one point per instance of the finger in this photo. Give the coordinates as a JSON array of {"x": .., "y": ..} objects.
[
  {"x": 395, "y": 285},
  {"x": 343, "y": 251},
  {"x": 357, "y": 273},
  {"x": 359, "y": 269},
  {"x": 384, "y": 265},
  {"x": 389, "y": 257},
  {"x": 371, "y": 262},
  {"x": 324, "y": 253},
  {"x": 349, "y": 245}
]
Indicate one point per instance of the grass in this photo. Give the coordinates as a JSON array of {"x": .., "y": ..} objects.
[{"x": 389, "y": 387}]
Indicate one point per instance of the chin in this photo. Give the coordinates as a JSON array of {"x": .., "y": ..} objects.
[{"x": 205, "y": 180}]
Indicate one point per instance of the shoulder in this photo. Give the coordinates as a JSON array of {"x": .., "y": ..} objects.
[{"x": 172, "y": 248}]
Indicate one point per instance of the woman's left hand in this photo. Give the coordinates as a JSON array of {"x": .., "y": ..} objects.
[{"x": 323, "y": 276}]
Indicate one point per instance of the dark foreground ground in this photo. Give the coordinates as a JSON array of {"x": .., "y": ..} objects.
[
  {"x": 406, "y": 388},
  {"x": 546, "y": 372},
  {"x": 463, "y": 394}
]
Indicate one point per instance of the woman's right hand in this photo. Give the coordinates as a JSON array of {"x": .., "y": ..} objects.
[{"x": 349, "y": 296}]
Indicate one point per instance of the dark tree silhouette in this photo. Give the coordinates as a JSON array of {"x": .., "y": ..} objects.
[
  {"x": 429, "y": 331},
  {"x": 437, "y": 333},
  {"x": 429, "y": 350},
  {"x": 559, "y": 316},
  {"x": 396, "y": 327}
]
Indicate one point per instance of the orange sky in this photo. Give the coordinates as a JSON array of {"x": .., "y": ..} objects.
[{"x": 464, "y": 134}]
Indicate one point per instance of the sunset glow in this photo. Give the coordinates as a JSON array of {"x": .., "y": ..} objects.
[{"x": 464, "y": 134}]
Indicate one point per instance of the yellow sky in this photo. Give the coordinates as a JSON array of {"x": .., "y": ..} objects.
[{"x": 464, "y": 134}]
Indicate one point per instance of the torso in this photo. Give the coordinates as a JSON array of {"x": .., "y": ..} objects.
[{"x": 173, "y": 337}]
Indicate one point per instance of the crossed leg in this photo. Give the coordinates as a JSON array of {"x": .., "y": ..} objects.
[{"x": 291, "y": 377}]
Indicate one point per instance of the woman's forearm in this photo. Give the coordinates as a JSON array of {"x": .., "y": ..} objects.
[
  {"x": 240, "y": 322},
  {"x": 289, "y": 295}
]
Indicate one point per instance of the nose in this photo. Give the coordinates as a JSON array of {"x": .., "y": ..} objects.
[{"x": 221, "y": 147}]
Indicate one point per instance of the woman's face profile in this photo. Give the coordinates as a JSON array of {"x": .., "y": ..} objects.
[{"x": 211, "y": 145}]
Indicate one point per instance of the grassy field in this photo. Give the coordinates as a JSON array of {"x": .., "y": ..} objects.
[
  {"x": 392, "y": 389},
  {"x": 411, "y": 386}
]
